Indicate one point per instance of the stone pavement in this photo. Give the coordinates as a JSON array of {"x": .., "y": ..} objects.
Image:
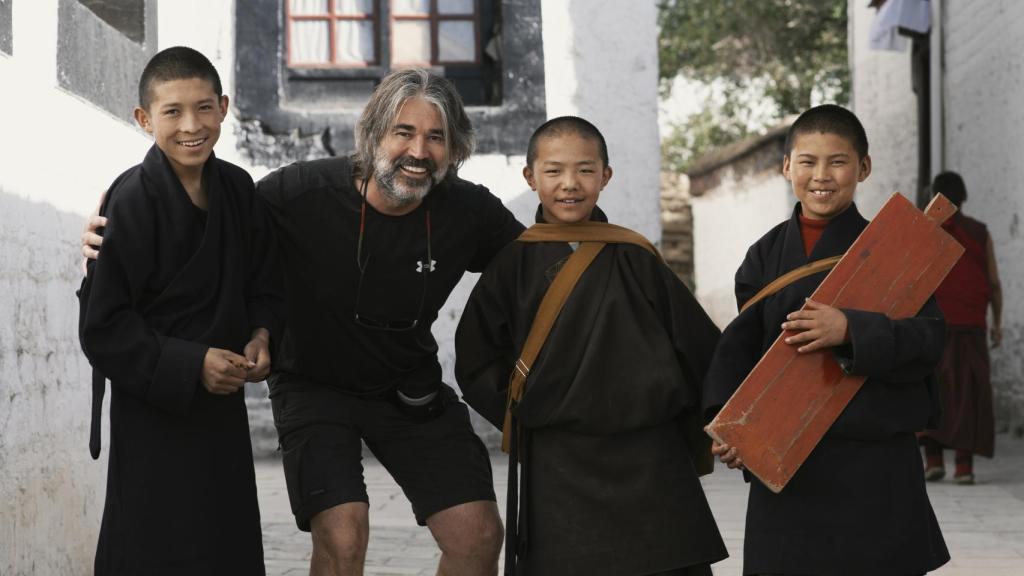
[{"x": 983, "y": 524}]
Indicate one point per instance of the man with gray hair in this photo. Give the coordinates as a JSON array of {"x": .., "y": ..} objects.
[{"x": 371, "y": 246}]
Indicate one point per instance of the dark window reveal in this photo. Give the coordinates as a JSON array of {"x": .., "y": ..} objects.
[
  {"x": 6, "y": 35},
  {"x": 127, "y": 16}
]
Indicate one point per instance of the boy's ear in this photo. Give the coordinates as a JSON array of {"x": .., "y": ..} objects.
[
  {"x": 142, "y": 119},
  {"x": 528, "y": 174},
  {"x": 786, "y": 168},
  {"x": 224, "y": 105},
  {"x": 864, "y": 169},
  {"x": 606, "y": 176}
]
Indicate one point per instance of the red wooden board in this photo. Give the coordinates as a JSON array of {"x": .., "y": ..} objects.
[{"x": 789, "y": 400}]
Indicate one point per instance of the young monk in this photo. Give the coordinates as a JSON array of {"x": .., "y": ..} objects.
[
  {"x": 178, "y": 312},
  {"x": 858, "y": 503},
  {"x": 609, "y": 484}
]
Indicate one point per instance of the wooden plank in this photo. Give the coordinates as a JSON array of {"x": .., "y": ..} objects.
[{"x": 789, "y": 400}]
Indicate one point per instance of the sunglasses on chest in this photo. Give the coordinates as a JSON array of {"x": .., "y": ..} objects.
[{"x": 423, "y": 267}]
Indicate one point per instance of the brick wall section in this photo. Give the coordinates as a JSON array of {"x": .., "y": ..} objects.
[{"x": 51, "y": 492}]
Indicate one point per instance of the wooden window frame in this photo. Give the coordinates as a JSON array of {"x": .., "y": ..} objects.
[
  {"x": 435, "y": 18},
  {"x": 332, "y": 18}
]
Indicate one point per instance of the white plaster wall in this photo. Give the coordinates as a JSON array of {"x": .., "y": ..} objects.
[
  {"x": 885, "y": 103},
  {"x": 601, "y": 63},
  {"x": 984, "y": 136},
  {"x": 726, "y": 221}
]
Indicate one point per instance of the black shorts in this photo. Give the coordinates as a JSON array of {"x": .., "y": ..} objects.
[{"x": 438, "y": 463}]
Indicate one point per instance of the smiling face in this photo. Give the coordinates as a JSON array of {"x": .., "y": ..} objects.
[
  {"x": 413, "y": 156},
  {"x": 824, "y": 170},
  {"x": 184, "y": 118},
  {"x": 568, "y": 175}
]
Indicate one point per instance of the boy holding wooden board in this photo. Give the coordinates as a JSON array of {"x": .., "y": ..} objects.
[{"x": 857, "y": 504}]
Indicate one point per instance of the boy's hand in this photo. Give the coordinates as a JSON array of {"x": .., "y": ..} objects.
[
  {"x": 223, "y": 371},
  {"x": 91, "y": 240},
  {"x": 729, "y": 455},
  {"x": 821, "y": 326},
  {"x": 257, "y": 352}
]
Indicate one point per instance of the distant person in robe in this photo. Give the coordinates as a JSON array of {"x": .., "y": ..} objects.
[
  {"x": 858, "y": 504},
  {"x": 972, "y": 286},
  {"x": 179, "y": 311},
  {"x": 609, "y": 433}
]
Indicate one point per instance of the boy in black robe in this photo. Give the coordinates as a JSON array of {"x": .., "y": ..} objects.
[
  {"x": 609, "y": 487},
  {"x": 178, "y": 312},
  {"x": 858, "y": 504}
]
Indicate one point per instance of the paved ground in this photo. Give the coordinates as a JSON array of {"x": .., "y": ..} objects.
[{"x": 983, "y": 524}]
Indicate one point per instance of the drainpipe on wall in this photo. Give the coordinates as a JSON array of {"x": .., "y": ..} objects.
[
  {"x": 938, "y": 88},
  {"x": 920, "y": 71}
]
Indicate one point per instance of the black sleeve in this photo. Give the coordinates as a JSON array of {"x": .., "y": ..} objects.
[
  {"x": 265, "y": 297},
  {"x": 894, "y": 351},
  {"x": 497, "y": 227},
  {"x": 694, "y": 337},
  {"x": 162, "y": 370},
  {"x": 484, "y": 348}
]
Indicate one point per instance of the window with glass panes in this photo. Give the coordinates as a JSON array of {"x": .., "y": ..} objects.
[{"x": 384, "y": 33}]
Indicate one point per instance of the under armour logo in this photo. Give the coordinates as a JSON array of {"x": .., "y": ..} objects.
[{"x": 419, "y": 266}]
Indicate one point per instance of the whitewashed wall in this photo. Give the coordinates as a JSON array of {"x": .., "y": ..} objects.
[
  {"x": 726, "y": 221},
  {"x": 57, "y": 152},
  {"x": 980, "y": 136}
]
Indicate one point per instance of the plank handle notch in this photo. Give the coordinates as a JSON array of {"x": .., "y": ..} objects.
[{"x": 940, "y": 209}]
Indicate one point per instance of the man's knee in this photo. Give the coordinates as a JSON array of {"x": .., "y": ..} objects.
[
  {"x": 342, "y": 532},
  {"x": 471, "y": 529}
]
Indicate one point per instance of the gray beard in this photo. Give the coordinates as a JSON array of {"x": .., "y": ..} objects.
[{"x": 396, "y": 188}]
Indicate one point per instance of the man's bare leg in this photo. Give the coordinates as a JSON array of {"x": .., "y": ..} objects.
[
  {"x": 470, "y": 537},
  {"x": 340, "y": 535}
]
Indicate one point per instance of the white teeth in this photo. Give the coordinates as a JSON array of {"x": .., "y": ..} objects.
[
  {"x": 192, "y": 143},
  {"x": 415, "y": 169}
]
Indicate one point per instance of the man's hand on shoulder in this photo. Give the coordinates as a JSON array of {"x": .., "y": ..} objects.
[
  {"x": 257, "y": 353},
  {"x": 819, "y": 326},
  {"x": 91, "y": 238},
  {"x": 224, "y": 371}
]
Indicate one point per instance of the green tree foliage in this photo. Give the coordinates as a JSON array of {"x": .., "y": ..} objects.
[{"x": 785, "y": 50}]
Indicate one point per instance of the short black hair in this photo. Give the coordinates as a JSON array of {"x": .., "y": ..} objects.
[
  {"x": 566, "y": 125},
  {"x": 829, "y": 119},
  {"x": 176, "y": 63},
  {"x": 950, "y": 185}
]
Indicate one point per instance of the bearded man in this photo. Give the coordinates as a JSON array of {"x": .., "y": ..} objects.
[{"x": 371, "y": 246}]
